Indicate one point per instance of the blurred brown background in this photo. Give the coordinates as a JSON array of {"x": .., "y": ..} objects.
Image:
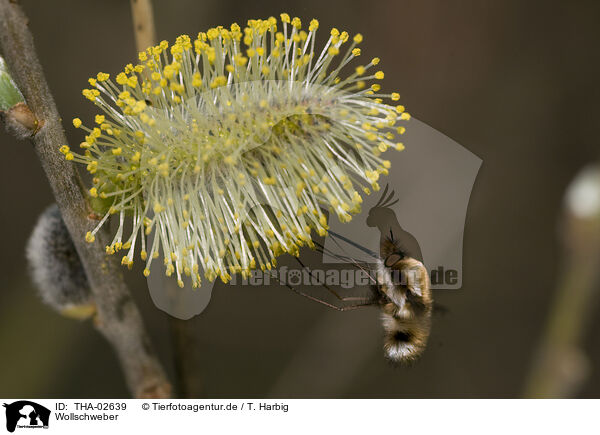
[{"x": 513, "y": 81}]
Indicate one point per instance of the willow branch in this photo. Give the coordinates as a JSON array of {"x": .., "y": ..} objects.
[
  {"x": 561, "y": 366},
  {"x": 187, "y": 356},
  {"x": 118, "y": 318},
  {"x": 143, "y": 24}
]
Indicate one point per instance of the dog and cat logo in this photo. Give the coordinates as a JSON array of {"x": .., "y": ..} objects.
[{"x": 25, "y": 414}]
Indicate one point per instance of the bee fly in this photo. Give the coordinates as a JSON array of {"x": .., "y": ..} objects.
[
  {"x": 406, "y": 304},
  {"x": 399, "y": 287}
]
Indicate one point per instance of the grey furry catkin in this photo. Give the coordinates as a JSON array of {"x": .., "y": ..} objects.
[{"x": 56, "y": 268}]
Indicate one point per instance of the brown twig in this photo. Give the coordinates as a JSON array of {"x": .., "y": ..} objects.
[
  {"x": 118, "y": 318},
  {"x": 561, "y": 366},
  {"x": 143, "y": 24},
  {"x": 186, "y": 352}
]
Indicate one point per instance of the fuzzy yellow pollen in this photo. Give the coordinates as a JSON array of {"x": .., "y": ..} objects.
[
  {"x": 358, "y": 38},
  {"x": 372, "y": 175},
  {"x": 90, "y": 94},
  {"x": 375, "y": 60},
  {"x": 158, "y": 208},
  {"x": 360, "y": 70},
  {"x": 218, "y": 81},
  {"x": 122, "y": 78},
  {"x": 285, "y": 18},
  {"x": 196, "y": 80},
  {"x": 314, "y": 25},
  {"x": 89, "y": 237},
  {"x": 379, "y": 75},
  {"x": 395, "y": 96}
]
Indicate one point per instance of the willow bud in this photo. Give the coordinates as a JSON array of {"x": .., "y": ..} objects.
[{"x": 56, "y": 268}]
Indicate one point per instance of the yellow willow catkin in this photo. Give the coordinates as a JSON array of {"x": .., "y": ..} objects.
[{"x": 227, "y": 146}]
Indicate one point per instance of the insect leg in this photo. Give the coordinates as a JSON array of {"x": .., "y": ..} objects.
[
  {"x": 366, "y": 302},
  {"x": 351, "y": 260},
  {"x": 336, "y": 294}
]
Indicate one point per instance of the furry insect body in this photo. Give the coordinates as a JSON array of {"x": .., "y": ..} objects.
[{"x": 406, "y": 303}]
